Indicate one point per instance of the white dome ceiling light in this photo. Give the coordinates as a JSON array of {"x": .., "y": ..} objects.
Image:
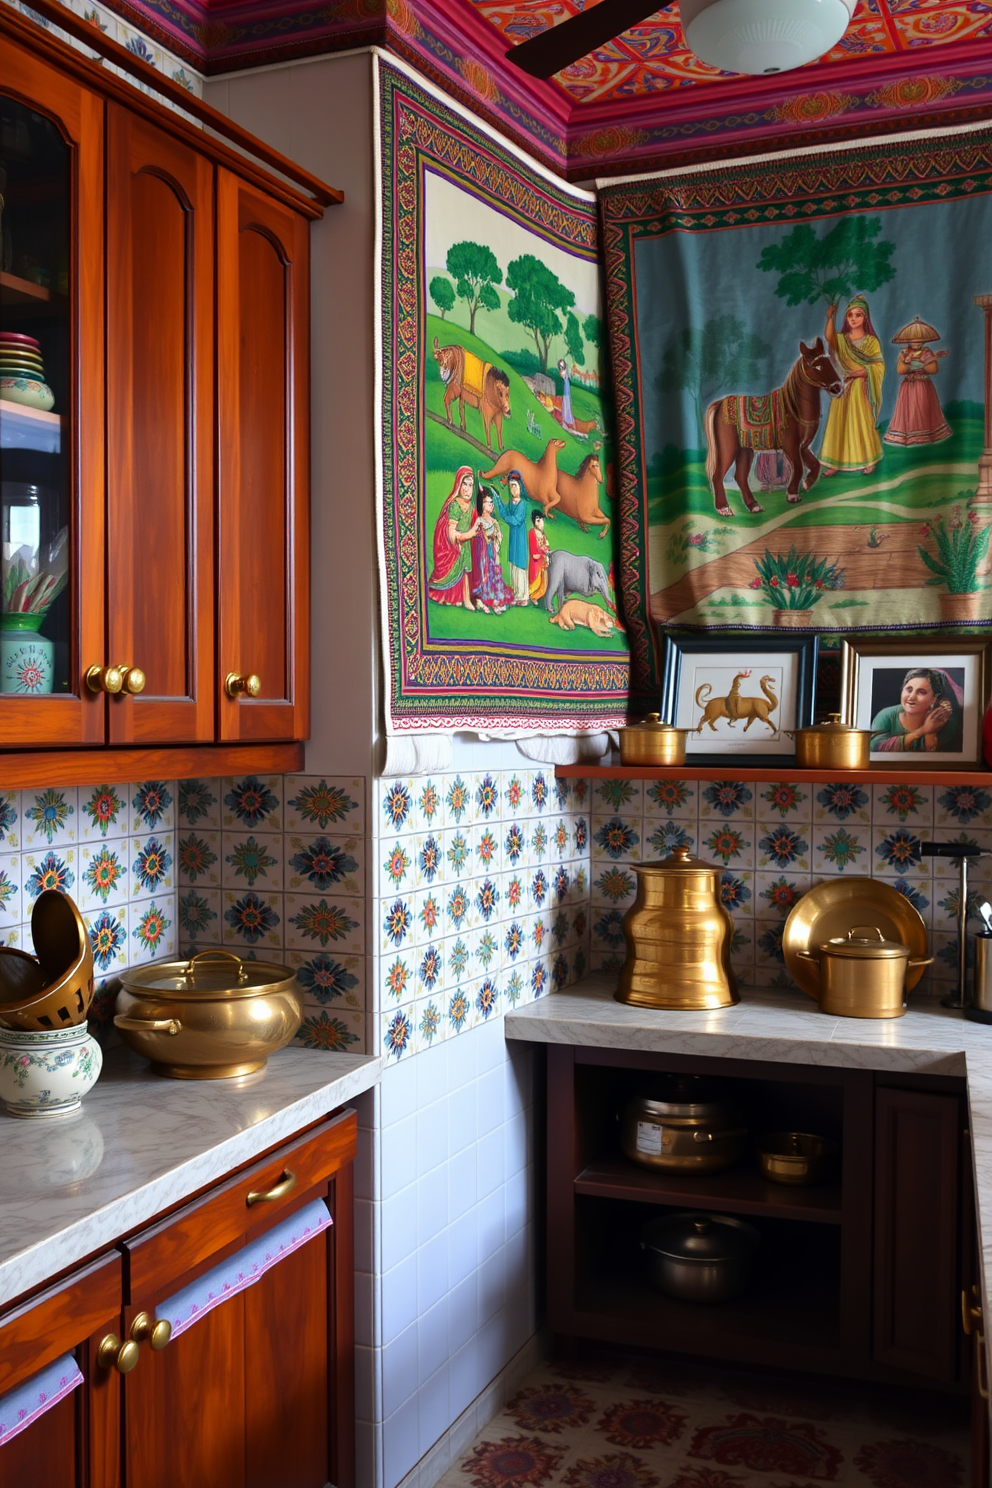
[{"x": 763, "y": 36}]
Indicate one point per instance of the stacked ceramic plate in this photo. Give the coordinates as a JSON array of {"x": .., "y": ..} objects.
[{"x": 22, "y": 372}]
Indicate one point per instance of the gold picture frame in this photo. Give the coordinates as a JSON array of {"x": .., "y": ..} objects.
[{"x": 946, "y": 707}]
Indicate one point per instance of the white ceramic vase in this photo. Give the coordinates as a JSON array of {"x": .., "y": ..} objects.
[{"x": 47, "y": 1073}]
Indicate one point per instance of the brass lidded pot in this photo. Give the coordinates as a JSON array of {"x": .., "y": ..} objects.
[
  {"x": 678, "y": 937},
  {"x": 208, "y": 1018},
  {"x": 652, "y": 743},
  {"x": 863, "y": 975},
  {"x": 832, "y": 746},
  {"x": 682, "y": 1128}
]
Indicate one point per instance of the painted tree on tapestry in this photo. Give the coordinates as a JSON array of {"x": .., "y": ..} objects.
[{"x": 802, "y": 419}]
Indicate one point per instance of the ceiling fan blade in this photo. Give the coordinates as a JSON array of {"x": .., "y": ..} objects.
[{"x": 558, "y": 46}]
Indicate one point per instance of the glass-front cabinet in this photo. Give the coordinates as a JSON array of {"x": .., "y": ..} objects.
[{"x": 51, "y": 400}]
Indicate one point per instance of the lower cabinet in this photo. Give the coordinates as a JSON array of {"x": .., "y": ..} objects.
[{"x": 222, "y": 1356}]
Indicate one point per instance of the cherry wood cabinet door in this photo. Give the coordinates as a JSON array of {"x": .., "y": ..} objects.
[
  {"x": 263, "y": 463},
  {"x": 160, "y": 477},
  {"x": 916, "y": 1263},
  {"x": 71, "y": 714}
]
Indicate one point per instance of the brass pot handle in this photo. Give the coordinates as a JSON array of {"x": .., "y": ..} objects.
[
  {"x": 189, "y": 970},
  {"x": 112, "y": 1353},
  {"x": 919, "y": 961},
  {"x": 285, "y": 1186},
  {"x": 154, "y": 1331},
  {"x": 148, "y": 1025},
  {"x": 808, "y": 956}
]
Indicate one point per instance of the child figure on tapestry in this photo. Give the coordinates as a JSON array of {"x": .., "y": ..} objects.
[
  {"x": 490, "y": 590},
  {"x": 454, "y": 530},
  {"x": 540, "y": 557}
]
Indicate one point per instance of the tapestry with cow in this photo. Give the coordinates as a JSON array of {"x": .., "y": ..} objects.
[
  {"x": 800, "y": 355},
  {"x": 498, "y": 535}
]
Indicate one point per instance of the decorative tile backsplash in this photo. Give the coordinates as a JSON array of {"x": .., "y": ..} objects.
[
  {"x": 481, "y": 885},
  {"x": 775, "y": 841},
  {"x": 273, "y": 867}
]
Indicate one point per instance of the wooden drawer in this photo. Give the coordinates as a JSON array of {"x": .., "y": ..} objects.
[
  {"x": 187, "y": 1239},
  {"x": 58, "y": 1320}
]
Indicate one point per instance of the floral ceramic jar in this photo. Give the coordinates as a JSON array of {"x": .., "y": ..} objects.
[
  {"x": 26, "y": 658},
  {"x": 47, "y": 1073}
]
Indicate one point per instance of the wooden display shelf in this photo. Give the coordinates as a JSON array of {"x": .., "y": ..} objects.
[
  {"x": 731, "y": 771},
  {"x": 93, "y": 766},
  {"x": 735, "y": 1192},
  {"x": 24, "y": 294},
  {"x": 29, "y": 428}
]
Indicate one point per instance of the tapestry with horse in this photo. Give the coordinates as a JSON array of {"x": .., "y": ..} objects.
[
  {"x": 497, "y": 527},
  {"x": 799, "y": 360}
]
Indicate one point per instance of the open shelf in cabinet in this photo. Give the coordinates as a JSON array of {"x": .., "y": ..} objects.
[
  {"x": 29, "y": 429},
  {"x": 735, "y": 1191},
  {"x": 23, "y": 294}
]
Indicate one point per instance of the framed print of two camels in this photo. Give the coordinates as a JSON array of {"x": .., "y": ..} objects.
[{"x": 740, "y": 700}]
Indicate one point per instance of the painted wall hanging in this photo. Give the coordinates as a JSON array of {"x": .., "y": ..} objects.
[
  {"x": 800, "y": 360},
  {"x": 497, "y": 556}
]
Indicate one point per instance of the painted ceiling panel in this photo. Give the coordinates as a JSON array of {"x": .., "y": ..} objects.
[{"x": 652, "y": 58}]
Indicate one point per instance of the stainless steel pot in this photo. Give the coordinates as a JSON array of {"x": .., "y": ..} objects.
[
  {"x": 686, "y": 1131},
  {"x": 700, "y": 1257}
]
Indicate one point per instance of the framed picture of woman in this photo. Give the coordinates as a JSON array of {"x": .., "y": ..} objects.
[{"x": 923, "y": 701}]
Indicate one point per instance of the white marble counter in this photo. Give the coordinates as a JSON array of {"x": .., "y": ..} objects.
[
  {"x": 69, "y": 1187},
  {"x": 788, "y": 1028}
]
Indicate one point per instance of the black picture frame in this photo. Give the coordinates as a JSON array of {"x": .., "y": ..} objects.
[{"x": 804, "y": 647}]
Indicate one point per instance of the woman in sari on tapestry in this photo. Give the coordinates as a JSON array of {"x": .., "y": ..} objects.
[
  {"x": 450, "y": 581},
  {"x": 851, "y": 440},
  {"x": 927, "y": 716},
  {"x": 490, "y": 590}
]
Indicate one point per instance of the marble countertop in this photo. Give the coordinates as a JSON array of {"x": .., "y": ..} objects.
[
  {"x": 70, "y": 1186},
  {"x": 785, "y": 1027}
]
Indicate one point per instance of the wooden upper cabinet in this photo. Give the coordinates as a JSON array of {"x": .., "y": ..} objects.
[
  {"x": 160, "y": 378},
  {"x": 53, "y": 293},
  {"x": 263, "y": 463}
]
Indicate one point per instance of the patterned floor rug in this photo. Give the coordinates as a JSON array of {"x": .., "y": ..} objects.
[{"x": 609, "y": 1421}]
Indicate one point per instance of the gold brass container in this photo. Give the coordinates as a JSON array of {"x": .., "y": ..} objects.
[
  {"x": 863, "y": 975},
  {"x": 208, "y": 1018},
  {"x": 798, "y": 1159},
  {"x": 678, "y": 937},
  {"x": 53, "y": 989},
  {"x": 652, "y": 743},
  {"x": 682, "y": 1130},
  {"x": 832, "y": 746}
]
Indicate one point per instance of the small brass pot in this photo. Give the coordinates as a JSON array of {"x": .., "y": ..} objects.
[
  {"x": 832, "y": 746},
  {"x": 863, "y": 975},
  {"x": 798, "y": 1159},
  {"x": 652, "y": 743},
  {"x": 683, "y": 1133},
  {"x": 208, "y": 1018}
]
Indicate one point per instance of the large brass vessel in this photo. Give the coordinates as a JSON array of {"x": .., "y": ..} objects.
[{"x": 678, "y": 937}]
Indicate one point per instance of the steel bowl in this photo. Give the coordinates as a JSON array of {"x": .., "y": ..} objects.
[
  {"x": 700, "y": 1257},
  {"x": 208, "y": 1018}
]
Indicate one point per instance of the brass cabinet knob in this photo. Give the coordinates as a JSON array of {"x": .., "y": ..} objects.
[
  {"x": 104, "y": 679},
  {"x": 279, "y": 1190},
  {"x": 113, "y": 1354},
  {"x": 251, "y": 684},
  {"x": 154, "y": 1331},
  {"x": 971, "y": 1310},
  {"x": 134, "y": 679}
]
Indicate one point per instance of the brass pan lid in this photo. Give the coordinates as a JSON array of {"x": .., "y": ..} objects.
[
  {"x": 701, "y": 1237},
  {"x": 865, "y": 943},
  {"x": 681, "y": 861},
  {"x": 209, "y": 974},
  {"x": 834, "y": 728}
]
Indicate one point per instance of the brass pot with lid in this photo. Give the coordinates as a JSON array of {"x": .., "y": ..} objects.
[
  {"x": 833, "y": 745},
  {"x": 863, "y": 975},
  {"x": 208, "y": 1018},
  {"x": 683, "y": 1126},
  {"x": 652, "y": 742},
  {"x": 678, "y": 937}
]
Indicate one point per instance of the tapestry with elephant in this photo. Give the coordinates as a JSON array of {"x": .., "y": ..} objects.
[
  {"x": 801, "y": 378},
  {"x": 497, "y": 527}
]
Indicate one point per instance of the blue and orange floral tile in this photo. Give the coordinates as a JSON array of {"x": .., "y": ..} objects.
[
  {"x": 329, "y": 980},
  {"x": 396, "y": 1032},
  {"x": 671, "y": 798},
  {"x": 541, "y": 793},
  {"x": 903, "y": 805},
  {"x": 516, "y": 844},
  {"x": 783, "y": 845},
  {"x": 428, "y": 916},
  {"x": 251, "y": 860},
  {"x": 153, "y": 930},
  {"x": 198, "y": 803},
  {"x": 324, "y": 803},
  {"x": 841, "y": 801},
  {"x": 784, "y": 802},
  {"x": 48, "y": 817},
  {"x": 397, "y": 977},
  {"x": 727, "y": 843},
  {"x": 199, "y": 857},
  {"x": 661, "y": 838},
  {"x": 429, "y": 960},
  {"x": 318, "y": 863},
  {"x": 108, "y": 932},
  {"x": 842, "y": 848},
  {"x": 613, "y": 883},
  {"x": 10, "y": 820},
  {"x": 488, "y": 797},
  {"x": 251, "y": 803},
  {"x": 895, "y": 851},
  {"x": 777, "y": 894},
  {"x": 152, "y": 864},
  {"x": 254, "y": 920},
  {"x": 397, "y": 924},
  {"x": 331, "y": 1030},
  {"x": 153, "y": 807},
  {"x": 200, "y": 915},
  {"x": 618, "y": 838},
  {"x": 617, "y": 798},
  {"x": 486, "y": 849},
  {"x": 459, "y": 1008},
  {"x": 428, "y": 804},
  {"x": 51, "y": 869},
  {"x": 960, "y": 806},
  {"x": 737, "y": 892},
  {"x": 397, "y": 865},
  {"x": 430, "y": 1024},
  {"x": 946, "y": 901},
  {"x": 974, "y": 836},
  {"x": 104, "y": 812},
  {"x": 10, "y": 889},
  {"x": 459, "y": 801},
  {"x": 918, "y": 889},
  {"x": 516, "y": 794},
  {"x": 103, "y": 872},
  {"x": 395, "y": 809}
]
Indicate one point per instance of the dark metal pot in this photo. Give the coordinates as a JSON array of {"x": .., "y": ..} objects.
[{"x": 700, "y": 1257}]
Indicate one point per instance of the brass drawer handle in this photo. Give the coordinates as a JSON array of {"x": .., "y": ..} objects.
[
  {"x": 250, "y": 684},
  {"x": 148, "y": 1025},
  {"x": 134, "y": 679},
  {"x": 285, "y": 1186},
  {"x": 111, "y": 1353},
  {"x": 971, "y": 1310},
  {"x": 156, "y": 1332}
]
